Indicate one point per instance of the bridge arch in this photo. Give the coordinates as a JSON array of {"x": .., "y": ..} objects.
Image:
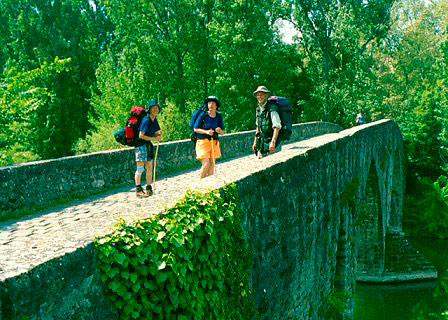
[
  {"x": 340, "y": 206},
  {"x": 303, "y": 215}
]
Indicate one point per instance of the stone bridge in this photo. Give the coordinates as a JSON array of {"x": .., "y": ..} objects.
[{"x": 319, "y": 215}]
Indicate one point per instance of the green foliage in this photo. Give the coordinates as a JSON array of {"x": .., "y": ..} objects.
[
  {"x": 336, "y": 305},
  {"x": 100, "y": 139},
  {"x": 337, "y": 39},
  {"x": 422, "y": 133},
  {"x": 429, "y": 312},
  {"x": 175, "y": 125},
  {"x": 25, "y": 99},
  {"x": 223, "y": 49},
  {"x": 427, "y": 209},
  {"x": 35, "y": 34},
  {"x": 189, "y": 262},
  {"x": 413, "y": 85}
]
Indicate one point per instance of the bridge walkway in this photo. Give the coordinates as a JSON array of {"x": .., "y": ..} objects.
[{"x": 54, "y": 232}]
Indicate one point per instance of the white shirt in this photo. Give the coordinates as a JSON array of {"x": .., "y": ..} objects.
[{"x": 276, "y": 122}]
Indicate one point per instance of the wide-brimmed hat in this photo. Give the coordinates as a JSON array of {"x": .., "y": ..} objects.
[
  {"x": 215, "y": 99},
  {"x": 261, "y": 89},
  {"x": 152, "y": 103}
]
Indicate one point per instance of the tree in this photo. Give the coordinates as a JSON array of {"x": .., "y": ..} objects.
[
  {"x": 182, "y": 51},
  {"x": 24, "y": 99},
  {"x": 37, "y": 32},
  {"x": 337, "y": 36},
  {"x": 412, "y": 75}
]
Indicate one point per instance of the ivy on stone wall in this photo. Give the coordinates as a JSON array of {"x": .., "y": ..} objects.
[{"x": 189, "y": 262}]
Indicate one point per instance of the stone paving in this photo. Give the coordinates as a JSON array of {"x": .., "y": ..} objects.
[{"x": 31, "y": 241}]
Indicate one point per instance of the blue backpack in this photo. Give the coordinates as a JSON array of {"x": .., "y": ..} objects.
[
  {"x": 198, "y": 112},
  {"x": 285, "y": 113}
]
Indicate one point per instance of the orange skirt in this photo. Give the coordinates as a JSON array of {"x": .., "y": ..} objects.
[{"x": 204, "y": 149}]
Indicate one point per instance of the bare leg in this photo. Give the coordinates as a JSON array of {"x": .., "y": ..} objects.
[
  {"x": 138, "y": 177},
  {"x": 205, "y": 168},
  {"x": 211, "y": 169},
  {"x": 148, "y": 167}
]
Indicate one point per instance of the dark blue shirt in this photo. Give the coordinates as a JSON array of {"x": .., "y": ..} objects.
[
  {"x": 149, "y": 127},
  {"x": 206, "y": 122}
]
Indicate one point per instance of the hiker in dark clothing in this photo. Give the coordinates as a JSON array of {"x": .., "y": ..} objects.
[
  {"x": 149, "y": 131},
  {"x": 268, "y": 124}
]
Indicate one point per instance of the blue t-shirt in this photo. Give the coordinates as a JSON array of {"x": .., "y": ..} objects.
[
  {"x": 149, "y": 127},
  {"x": 206, "y": 122}
]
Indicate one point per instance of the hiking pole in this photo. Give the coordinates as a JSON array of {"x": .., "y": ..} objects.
[
  {"x": 213, "y": 157},
  {"x": 155, "y": 166}
]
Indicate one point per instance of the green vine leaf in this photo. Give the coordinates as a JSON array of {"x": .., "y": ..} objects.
[{"x": 186, "y": 263}]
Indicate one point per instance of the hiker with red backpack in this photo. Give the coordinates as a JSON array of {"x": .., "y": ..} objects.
[
  {"x": 208, "y": 126},
  {"x": 149, "y": 131},
  {"x": 273, "y": 122}
]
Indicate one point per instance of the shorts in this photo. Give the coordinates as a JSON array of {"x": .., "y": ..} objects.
[
  {"x": 204, "y": 149},
  {"x": 144, "y": 153}
]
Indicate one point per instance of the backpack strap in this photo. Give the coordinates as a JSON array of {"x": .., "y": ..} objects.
[
  {"x": 202, "y": 119},
  {"x": 271, "y": 105}
]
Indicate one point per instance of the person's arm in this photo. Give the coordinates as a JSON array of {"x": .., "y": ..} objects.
[
  {"x": 273, "y": 143},
  {"x": 254, "y": 145},
  {"x": 257, "y": 133},
  {"x": 199, "y": 124},
  {"x": 204, "y": 131},
  {"x": 276, "y": 125},
  {"x": 220, "y": 128},
  {"x": 144, "y": 127},
  {"x": 143, "y": 136}
]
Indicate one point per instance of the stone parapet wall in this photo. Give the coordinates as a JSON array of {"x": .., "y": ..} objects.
[
  {"x": 36, "y": 183},
  {"x": 300, "y": 215},
  {"x": 68, "y": 287}
]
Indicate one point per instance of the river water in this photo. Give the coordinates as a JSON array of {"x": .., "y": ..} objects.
[{"x": 408, "y": 301}]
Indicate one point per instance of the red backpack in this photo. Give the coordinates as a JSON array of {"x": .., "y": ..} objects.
[{"x": 129, "y": 134}]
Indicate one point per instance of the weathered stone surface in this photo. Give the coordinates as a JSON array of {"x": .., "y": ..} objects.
[
  {"x": 64, "y": 288},
  {"x": 35, "y": 183},
  {"x": 309, "y": 213}
]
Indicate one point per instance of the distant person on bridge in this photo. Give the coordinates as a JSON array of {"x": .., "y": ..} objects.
[
  {"x": 360, "y": 118},
  {"x": 268, "y": 124},
  {"x": 208, "y": 127},
  {"x": 149, "y": 131}
]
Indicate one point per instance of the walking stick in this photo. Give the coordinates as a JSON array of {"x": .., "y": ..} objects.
[
  {"x": 213, "y": 157},
  {"x": 155, "y": 166}
]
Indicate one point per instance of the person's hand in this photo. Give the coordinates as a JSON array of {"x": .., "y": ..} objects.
[
  {"x": 158, "y": 137},
  {"x": 272, "y": 146},
  {"x": 219, "y": 130},
  {"x": 254, "y": 147},
  {"x": 210, "y": 132}
]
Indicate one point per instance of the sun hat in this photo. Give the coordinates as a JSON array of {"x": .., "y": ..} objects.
[
  {"x": 152, "y": 103},
  {"x": 261, "y": 89},
  {"x": 213, "y": 98}
]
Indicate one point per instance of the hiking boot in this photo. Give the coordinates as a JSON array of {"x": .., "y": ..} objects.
[
  {"x": 149, "y": 191},
  {"x": 139, "y": 192}
]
